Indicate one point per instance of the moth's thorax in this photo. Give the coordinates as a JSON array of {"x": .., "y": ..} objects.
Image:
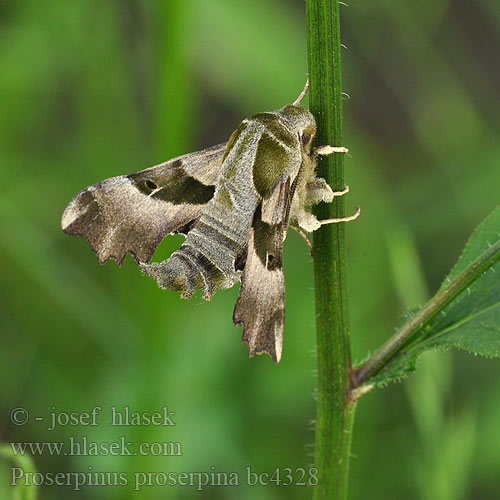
[
  {"x": 298, "y": 117},
  {"x": 302, "y": 122},
  {"x": 268, "y": 146}
]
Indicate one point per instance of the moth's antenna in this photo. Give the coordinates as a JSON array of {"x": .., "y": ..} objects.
[{"x": 302, "y": 94}]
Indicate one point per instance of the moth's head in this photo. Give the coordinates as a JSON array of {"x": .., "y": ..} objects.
[{"x": 301, "y": 120}]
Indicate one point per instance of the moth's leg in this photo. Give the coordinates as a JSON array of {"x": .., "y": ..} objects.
[
  {"x": 322, "y": 187},
  {"x": 318, "y": 190},
  {"x": 341, "y": 219},
  {"x": 341, "y": 193},
  {"x": 305, "y": 236},
  {"x": 328, "y": 150},
  {"x": 307, "y": 221}
]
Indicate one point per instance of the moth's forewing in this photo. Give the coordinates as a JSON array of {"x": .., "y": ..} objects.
[
  {"x": 133, "y": 213},
  {"x": 261, "y": 303},
  {"x": 260, "y": 307}
]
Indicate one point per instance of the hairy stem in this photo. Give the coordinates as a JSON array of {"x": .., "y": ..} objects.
[{"x": 335, "y": 411}]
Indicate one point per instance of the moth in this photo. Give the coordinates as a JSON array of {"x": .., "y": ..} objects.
[{"x": 233, "y": 202}]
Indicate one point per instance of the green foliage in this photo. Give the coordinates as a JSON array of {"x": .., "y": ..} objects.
[
  {"x": 21, "y": 491},
  {"x": 88, "y": 91},
  {"x": 471, "y": 321}
]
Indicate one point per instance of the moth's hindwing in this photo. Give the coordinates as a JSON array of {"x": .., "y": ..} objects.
[{"x": 133, "y": 213}]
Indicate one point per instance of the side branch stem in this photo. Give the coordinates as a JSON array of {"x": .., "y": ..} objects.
[{"x": 412, "y": 328}]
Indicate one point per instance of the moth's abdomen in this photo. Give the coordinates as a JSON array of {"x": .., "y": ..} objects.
[
  {"x": 205, "y": 260},
  {"x": 186, "y": 271}
]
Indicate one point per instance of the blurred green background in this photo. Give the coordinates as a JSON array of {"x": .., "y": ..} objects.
[{"x": 90, "y": 90}]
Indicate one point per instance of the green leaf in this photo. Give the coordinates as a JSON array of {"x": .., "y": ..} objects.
[{"x": 471, "y": 321}]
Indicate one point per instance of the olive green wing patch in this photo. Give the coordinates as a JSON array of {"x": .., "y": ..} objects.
[
  {"x": 260, "y": 307},
  {"x": 133, "y": 213}
]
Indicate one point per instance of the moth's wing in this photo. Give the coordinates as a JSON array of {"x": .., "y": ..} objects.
[
  {"x": 260, "y": 307},
  {"x": 133, "y": 213}
]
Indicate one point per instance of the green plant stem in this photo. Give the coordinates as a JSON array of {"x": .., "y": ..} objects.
[
  {"x": 335, "y": 412},
  {"x": 412, "y": 328}
]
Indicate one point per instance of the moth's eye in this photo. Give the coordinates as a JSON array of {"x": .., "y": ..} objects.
[
  {"x": 306, "y": 138},
  {"x": 151, "y": 185}
]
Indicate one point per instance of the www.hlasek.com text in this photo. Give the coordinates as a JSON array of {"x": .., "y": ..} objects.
[{"x": 84, "y": 447}]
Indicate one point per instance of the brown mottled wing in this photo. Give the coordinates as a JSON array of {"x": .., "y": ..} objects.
[
  {"x": 133, "y": 213},
  {"x": 261, "y": 303}
]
